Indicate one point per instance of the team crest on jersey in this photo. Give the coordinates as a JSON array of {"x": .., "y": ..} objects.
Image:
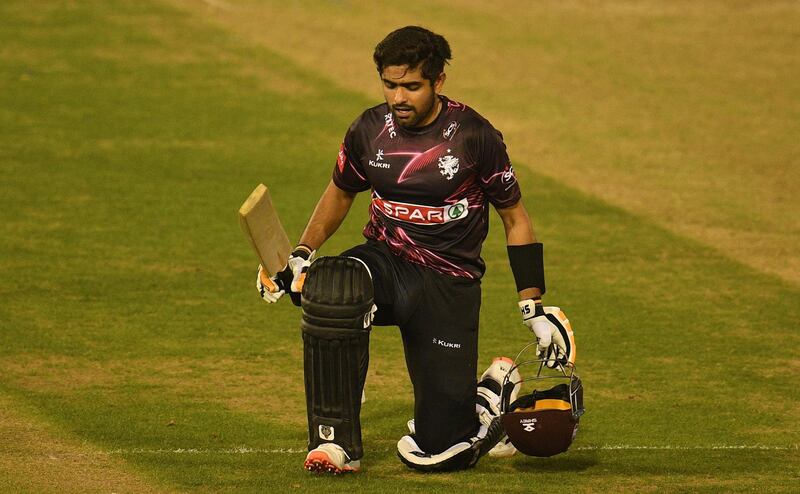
[{"x": 448, "y": 166}]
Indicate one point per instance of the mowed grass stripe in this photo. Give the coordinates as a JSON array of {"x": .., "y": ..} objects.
[
  {"x": 37, "y": 457},
  {"x": 150, "y": 335},
  {"x": 684, "y": 113}
]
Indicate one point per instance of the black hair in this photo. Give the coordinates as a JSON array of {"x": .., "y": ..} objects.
[{"x": 416, "y": 47}]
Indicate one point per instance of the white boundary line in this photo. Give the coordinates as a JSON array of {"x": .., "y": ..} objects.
[
  {"x": 714, "y": 447},
  {"x": 244, "y": 450}
]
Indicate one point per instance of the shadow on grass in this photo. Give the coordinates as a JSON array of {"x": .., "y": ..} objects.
[
  {"x": 701, "y": 462},
  {"x": 576, "y": 463}
]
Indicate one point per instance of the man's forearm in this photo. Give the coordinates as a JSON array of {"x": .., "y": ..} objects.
[
  {"x": 517, "y": 224},
  {"x": 519, "y": 232},
  {"x": 328, "y": 215}
]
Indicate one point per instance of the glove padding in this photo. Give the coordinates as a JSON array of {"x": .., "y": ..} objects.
[
  {"x": 271, "y": 289},
  {"x": 555, "y": 341},
  {"x": 291, "y": 279}
]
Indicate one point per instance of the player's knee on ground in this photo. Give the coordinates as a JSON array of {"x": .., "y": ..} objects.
[
  {"x": 337, "y": 303},
  {"x": 444, "y": 420},
  {"x": 459, "y": 456},
  {"x": 444, "y": 395}
]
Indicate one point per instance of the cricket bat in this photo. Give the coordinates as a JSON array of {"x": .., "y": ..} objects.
[{"x": 261, "y": 225}]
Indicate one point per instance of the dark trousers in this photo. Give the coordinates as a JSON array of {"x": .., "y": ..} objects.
[{"x": 438, "y": 317}]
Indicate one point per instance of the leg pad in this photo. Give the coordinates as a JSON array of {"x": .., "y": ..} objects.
[{"x": 337, "y": 301}]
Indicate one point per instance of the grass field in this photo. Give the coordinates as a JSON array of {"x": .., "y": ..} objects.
[{"x": 657, "y": 148}]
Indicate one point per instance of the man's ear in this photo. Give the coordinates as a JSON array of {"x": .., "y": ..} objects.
[{"x": 437, "y": 86}]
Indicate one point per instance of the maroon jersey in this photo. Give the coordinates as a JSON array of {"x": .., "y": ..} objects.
[{"x": 430, "y": 186}]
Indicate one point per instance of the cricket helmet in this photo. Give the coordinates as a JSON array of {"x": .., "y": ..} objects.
[{"x": 544, "y": 420}]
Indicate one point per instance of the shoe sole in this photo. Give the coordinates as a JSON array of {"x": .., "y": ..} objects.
[{"x": 320, "y": 462}]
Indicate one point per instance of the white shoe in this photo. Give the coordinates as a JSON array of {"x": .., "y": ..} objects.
[
  {"x": 503, "y": 449},
  {"x": 330, "y": 458}
]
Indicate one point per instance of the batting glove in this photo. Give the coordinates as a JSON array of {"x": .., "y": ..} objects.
[
  {"x": 270, "y": 288},
  {"x": 298, "y": 264},
  {"x": 292, "y": 277},
  {"x": 547, "y": 334}
]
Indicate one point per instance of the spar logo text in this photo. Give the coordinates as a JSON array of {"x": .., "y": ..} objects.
[{"x": 420, "y": 214}]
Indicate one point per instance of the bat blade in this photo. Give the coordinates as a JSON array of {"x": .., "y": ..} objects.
[{"x": 261, "y": 225}]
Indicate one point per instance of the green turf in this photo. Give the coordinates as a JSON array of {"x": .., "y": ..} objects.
[
  {"x": 683, "y": 112},
  {"x": 129, "y": 134}
]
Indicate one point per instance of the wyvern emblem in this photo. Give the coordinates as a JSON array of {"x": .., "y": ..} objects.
[{"x": 448, "y": 166}]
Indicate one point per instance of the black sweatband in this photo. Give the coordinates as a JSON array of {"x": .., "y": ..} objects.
[
  {"x": 302, "y": 250},
  {"x": 527, "y": 265}
]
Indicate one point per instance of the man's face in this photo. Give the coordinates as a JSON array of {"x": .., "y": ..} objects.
[{"x": 412, "y": 98}]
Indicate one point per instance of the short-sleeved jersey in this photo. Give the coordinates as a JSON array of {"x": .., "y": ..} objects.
[{"x": 431, "y": 186}]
